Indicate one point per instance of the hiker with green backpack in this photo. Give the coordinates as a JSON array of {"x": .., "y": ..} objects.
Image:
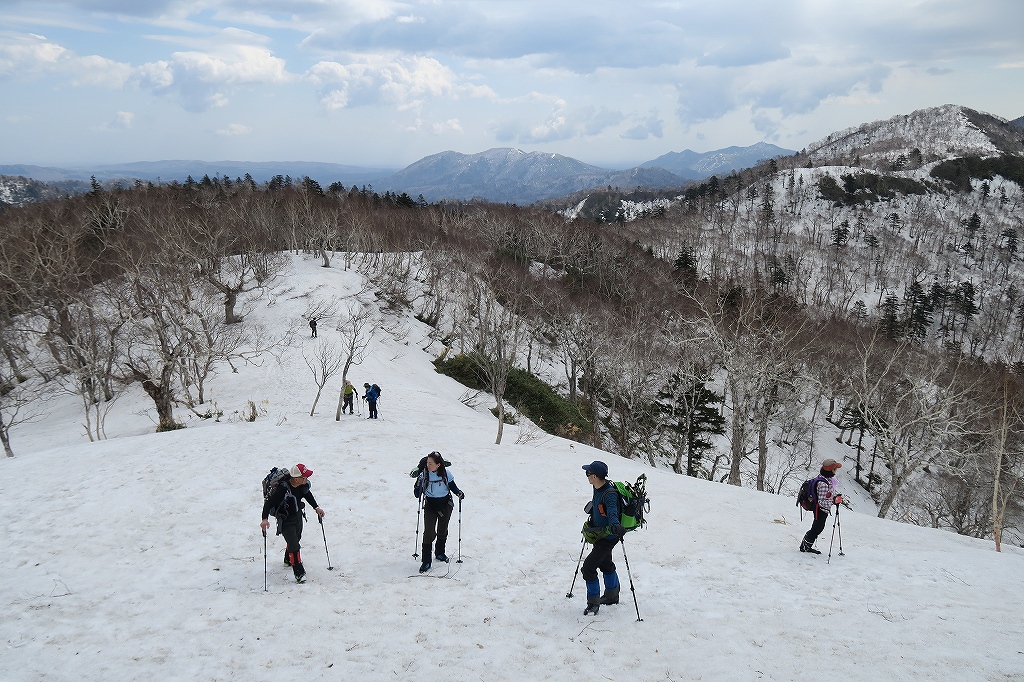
[{"x": 603, "y": 530}]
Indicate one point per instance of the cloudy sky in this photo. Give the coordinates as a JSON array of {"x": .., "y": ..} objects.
[{"x": 384, "y": 82}]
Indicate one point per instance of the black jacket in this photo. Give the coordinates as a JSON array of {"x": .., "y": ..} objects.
[{"x": 292, "y": 503}]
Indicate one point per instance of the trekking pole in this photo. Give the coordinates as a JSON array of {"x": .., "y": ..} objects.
[
  {"x": 583, "y": 541},
  {"x": 264, "y": 559},
  {"x": 833, "y": 538},
  {"x": 419, "y": 508},
  {"x": 459, "y": 560},
  {"x": 840, "y": 527},
  {"x": 329, "y": 567},
  {"x": 631, "y": 588}
]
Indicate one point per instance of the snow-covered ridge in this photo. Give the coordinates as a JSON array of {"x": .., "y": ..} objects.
[{"x": 938, "y": 132}]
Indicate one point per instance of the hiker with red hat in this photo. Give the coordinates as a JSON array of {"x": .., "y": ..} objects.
[
  {"x": 826, "y": 496},
  {"x": 287, "y": 500}
]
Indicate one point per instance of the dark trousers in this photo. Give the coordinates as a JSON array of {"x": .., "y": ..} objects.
[
  {"x": 820, "y": 519},
  {"x": 291, "y": 529},
  {"x": 436, "y": 514},
  {"x": 347, "y": 403},
  {"x": 373, "y": 408},
  {"x": 599, "y": 557}
]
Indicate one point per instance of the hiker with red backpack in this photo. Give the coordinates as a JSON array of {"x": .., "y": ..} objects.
[
  {"x": 820, "y": 496},
  {"x": 603, "y": 530},
  {"x": 286, "y": 503}
]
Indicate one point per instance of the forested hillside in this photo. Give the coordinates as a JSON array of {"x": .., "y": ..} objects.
[{"x": 715, "y": 339}]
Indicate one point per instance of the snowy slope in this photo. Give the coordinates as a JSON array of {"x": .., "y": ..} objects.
[{"x": 140, "y": 557}]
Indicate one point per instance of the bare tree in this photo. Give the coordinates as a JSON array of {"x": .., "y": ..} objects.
[
  {"x": 915, "y": 406},
  {"x": 495, "y": 332},
  {"x": 325, "y": 362},
  {"x": 1007, "y": 456}
]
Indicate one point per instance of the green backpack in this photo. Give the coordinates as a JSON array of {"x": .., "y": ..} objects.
[
  {"x": 633, "y": 503},
  {"x": 633, "y": 507}
]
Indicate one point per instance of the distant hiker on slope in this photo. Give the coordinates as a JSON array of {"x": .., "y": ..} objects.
[
  {"x": 349, "y": 394},
  {"x": 286, "y": 502},
  {"x": 370, "y": 396},
  {"x": 603, "y": 530},
  {"x": 312, "y": 326},
  {"x": 825, "y": 495},
  {"x": 437, "y": 484}
]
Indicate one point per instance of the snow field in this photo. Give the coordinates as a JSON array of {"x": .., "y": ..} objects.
[{"x": 140, "y": 557}]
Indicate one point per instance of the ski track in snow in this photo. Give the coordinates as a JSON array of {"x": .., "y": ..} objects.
[{"x": 140, "y": 557}]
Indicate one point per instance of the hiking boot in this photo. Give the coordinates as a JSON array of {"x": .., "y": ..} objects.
[
  {"x": 300, "y": 578},
  {"x": 610, "y": 596},
  {"x": 807, "y": 547},
  {"x": 424, "y": 567},
  {"x": 442, "y": 557},
  {"x": 287, "y": 561},
  {"x": 593, "y": 606}
]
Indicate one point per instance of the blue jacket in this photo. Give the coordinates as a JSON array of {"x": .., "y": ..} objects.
[
  {"x": 435, "y": 485},
  {"x": 371, "y": 395},
  {"x": 605, "y": 512}
]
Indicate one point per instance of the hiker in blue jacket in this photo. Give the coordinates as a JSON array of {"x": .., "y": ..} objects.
[
  {"x": 370, "y": 396},
  {"x": 826, "y": 495},
  {"x": 603, "y": 530},
  {"x": 436, "y": 484}
]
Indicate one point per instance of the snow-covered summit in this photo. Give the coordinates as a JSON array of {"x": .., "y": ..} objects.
[{"x": 938, "y": 133}]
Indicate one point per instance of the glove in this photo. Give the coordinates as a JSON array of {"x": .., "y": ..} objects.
[
  {"x": 838, "y": 499},
  {"x": 618, "y": 530},
  {"x": 462, "y": 495}
]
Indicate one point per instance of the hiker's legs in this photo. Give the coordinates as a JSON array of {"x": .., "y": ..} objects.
[
  {"x": 429, "y": 530},
  {"x": 347, "y": 403},
  {"x": 599, "y": 558},
  {"x": 373, "y": 409},
  {"x": 443, "y": 517},
  {"x": 820, "y": 519},
  {"x": 292, "y": 532}
]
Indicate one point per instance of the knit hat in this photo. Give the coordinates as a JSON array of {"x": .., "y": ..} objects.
[
  {"x": 301, "y": 471},
  {"x": 830, "y": 464},
  {"x": 599, "y": 469}
]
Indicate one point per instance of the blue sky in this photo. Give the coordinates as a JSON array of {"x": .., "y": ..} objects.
[{"x": 384, "y": 83}]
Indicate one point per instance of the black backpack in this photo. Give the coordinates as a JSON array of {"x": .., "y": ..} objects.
[
  {"x": 271, "y": 482},
  {"x": 423, "y": 465},
  {"x": 807, "y": 495},
  {"x": 376, "y": 389}
]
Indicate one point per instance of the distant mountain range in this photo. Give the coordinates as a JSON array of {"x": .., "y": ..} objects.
[
  {"x": 514, "y": 176},
  {"x": 696, "y": 166},
  {"x": 165, "y": 171},
  {"x": 501, "y": 175}
]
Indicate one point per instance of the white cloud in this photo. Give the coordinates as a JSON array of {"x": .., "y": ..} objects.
[
  {"x": 406, "y": 82},
  {"x": 452, "y": 125},
  {"x": 29, "y": 55},
  {"x": 122, "y": 120},
  {"x": 203, "y": 79},
  {"x": 563, "y": 123},
  {"x": 651, "y": 126},
  {"x": 233, "y": 129}
]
